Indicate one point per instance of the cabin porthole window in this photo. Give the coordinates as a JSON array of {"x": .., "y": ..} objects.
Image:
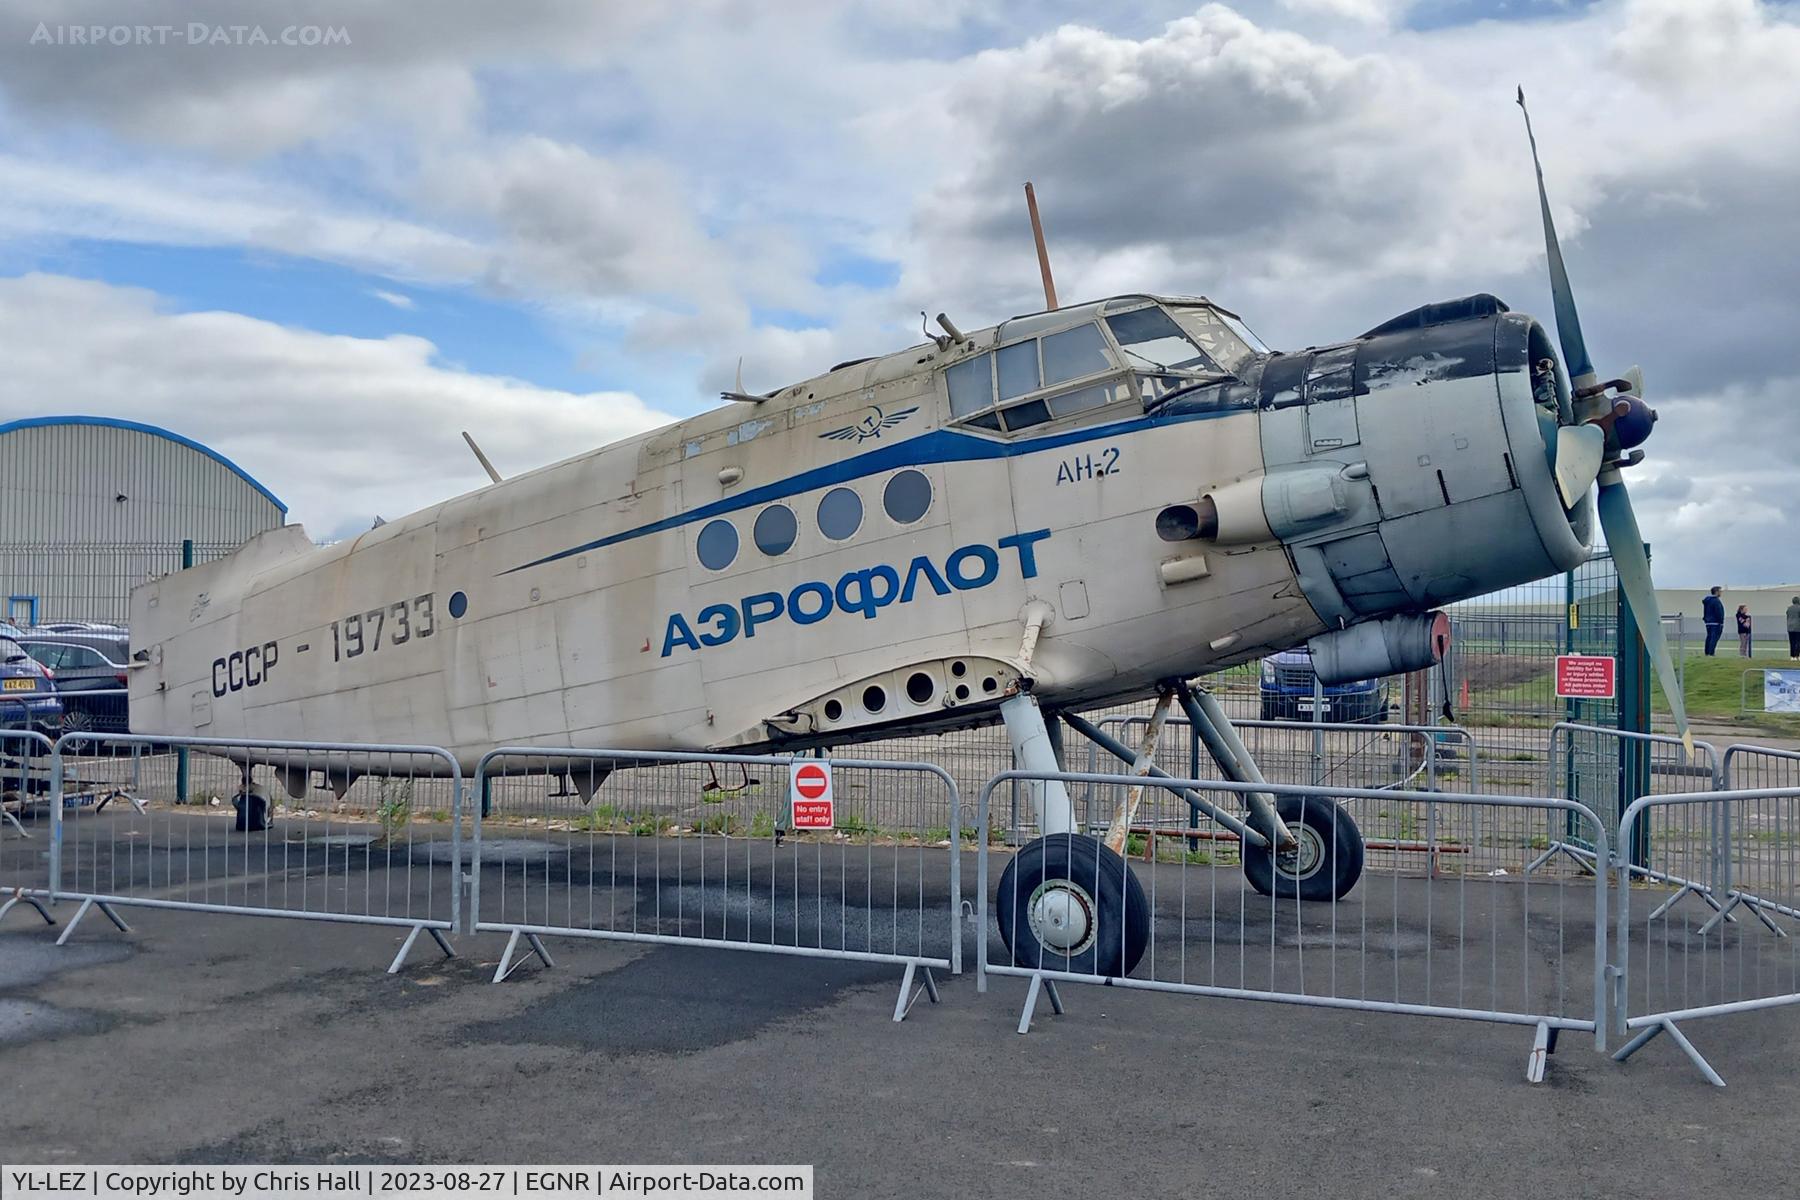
[
  {"x": 907, "y": 497},
  {"x": 775, "y": 530},
  {"x": 717, "y": 545},
  {"x": 840, "y": 514}
]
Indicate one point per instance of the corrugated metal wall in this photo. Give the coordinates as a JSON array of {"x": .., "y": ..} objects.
[{"x": 89, "y": 510}]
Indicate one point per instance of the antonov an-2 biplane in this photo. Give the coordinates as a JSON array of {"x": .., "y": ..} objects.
[{"x": 1088, "y": 504}]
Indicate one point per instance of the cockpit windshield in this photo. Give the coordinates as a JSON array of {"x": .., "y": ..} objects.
[
  {"x": 1176, "y": 347},
  {"x": 1222, "y": 336}
]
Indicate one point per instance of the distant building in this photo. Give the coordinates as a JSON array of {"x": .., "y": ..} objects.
[{"x": 91, "y": 506}]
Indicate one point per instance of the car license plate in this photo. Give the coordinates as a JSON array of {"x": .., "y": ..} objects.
[
  {"x": 1307, "y": 706},
  {"x": 18, "y": 685}
]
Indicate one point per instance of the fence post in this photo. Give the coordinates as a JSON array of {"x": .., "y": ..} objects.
[
  {"x": 1634, "y": 717},
  {"x": 181, "y": 753}
]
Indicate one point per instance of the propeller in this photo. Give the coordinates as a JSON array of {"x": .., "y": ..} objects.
[
  {"x": 1579, "y": 452},
  {"x": 1611, "y": 418}
]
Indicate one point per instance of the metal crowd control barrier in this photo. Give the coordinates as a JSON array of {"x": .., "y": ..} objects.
[
  {"x": 1607, "y": 769},
  {"x": 1747, "y": 766},
  {"x": 25, "y": 796},
  {"x": 1680, "y": 965},
  {"x": 365, "y": 834},
  {"x": 699, "y": 849},
  {"x": 1476, "y": 943}
]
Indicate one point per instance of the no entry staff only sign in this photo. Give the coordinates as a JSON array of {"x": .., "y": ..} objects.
[{"x": 809, "y": 794}]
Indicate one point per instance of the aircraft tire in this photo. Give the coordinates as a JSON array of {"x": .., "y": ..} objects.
[
  {"x": 252, "y": 812},
  {"x": 1331, "y": 853},
  {"x": 1082, "y": 897}
]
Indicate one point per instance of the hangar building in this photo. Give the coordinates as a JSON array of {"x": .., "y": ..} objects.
[{"x": 91, "y": 506}]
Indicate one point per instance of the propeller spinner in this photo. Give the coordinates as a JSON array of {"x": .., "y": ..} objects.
[{"x": 1596, "y": 437}]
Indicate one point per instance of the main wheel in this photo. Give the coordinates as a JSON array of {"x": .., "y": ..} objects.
[
  {"x": 1326, "y": 861},
  {"x": 252, "y": 811},
  {"x": 1067, "y": 903}
]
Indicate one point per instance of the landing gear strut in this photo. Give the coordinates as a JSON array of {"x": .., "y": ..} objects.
[{"x": 1066, "y": 902}]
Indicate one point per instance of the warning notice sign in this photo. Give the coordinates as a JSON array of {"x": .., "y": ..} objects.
[
  {"x": 1585, "y": 676},
  {"x": 809, "y": 794}
]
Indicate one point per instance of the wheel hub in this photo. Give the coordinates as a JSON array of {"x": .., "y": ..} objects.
[
  {"x": 1061, "y": 916},
  {"x": 1305, "y": 857}
]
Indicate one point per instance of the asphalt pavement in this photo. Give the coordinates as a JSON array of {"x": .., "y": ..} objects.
[{"x": 216, "y": 1038}]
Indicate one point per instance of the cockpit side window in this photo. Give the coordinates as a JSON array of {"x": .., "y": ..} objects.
[
  {"x": 1074, "y": 354},
  {"x": 971, "y": 384},
  {"x": 1164, "y": 357},
  {"x": 1037, "y": 380}
]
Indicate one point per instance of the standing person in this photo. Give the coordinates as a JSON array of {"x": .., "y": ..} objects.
[
  {"x": 1743, "y": 624},
  {"x": 1793, "y": 616},
  {"x": 1712, "y": 611}
]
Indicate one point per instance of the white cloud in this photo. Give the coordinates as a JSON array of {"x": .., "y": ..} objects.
[
  {"x": 341, "y": 428},
  {"x": 393, "y": 298},
  {"x": 679, "y": 181},
  {"x": 1364, "y": 12}
]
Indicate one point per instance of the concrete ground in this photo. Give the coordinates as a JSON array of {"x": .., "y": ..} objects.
[{"x": 215, "y": 1038}]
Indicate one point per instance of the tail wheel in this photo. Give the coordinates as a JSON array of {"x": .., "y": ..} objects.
[
  {"x": 1067, "y": 903},
  {"x": 1325, "y": 861},
  {"x": 252, "y": 812}
]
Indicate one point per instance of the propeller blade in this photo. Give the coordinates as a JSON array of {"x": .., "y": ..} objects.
[
  {"x": 1634, "y": 377},
  {"x": 1568, "y": 321},
  {"x": 1580, "y": 449},
  {"x": 1627, "y": 545}
]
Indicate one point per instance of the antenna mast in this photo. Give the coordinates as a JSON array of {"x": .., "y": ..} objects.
[{"x": 1037, "y": 234}]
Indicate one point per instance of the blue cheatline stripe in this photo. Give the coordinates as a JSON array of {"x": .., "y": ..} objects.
[
  {"x": 154, "y": 430},
  {"x": 938, "y": 446}
]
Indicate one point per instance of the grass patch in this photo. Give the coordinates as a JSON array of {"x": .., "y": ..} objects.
[
  {"x": 725, "y": 824},
  {"x": 1713, "y": 689}
]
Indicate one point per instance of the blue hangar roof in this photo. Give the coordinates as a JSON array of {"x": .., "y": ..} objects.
[{"x": 155, "y": 431}]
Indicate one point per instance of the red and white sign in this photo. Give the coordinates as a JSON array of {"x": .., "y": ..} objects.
[
  {"x": 809, "y": 794},
  {"x": 1586, "y": 677}
]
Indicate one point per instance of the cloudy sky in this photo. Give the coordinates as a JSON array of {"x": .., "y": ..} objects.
[{"x": 326, "y": 237}]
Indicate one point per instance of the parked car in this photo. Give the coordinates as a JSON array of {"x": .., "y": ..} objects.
[
  {"x": 1287, "y": 692},
  {"x": 114, "y": 641},
  {"x": 28, "y": 696},
  {"x": 81, "y": 673}
]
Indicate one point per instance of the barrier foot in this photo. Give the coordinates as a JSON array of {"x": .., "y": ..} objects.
[
  {"x": 508, "y": 966},
  {"x": 412, "y": 936},
  {"x": 19, "y": 897},
  {"x": 1543, "y": 1045},
  {"x": 1649, "y": 1032},
  {"x": 125, "y": 796},
  {"x": 14, "y": 822},
  {"x": 1581, "y": 858},
  {"x": 1694, "y": 1056},
  {"x": 1756, "y": 907},
  {"x": 1724, "y": 914},
  {"x": 908, "y": 997},
  {"x": 1666, "y": 905},
  {"x": 111, "y": 915},
  {"x": 1046, "y": 986},
  {"x": 1645, "y": 1036}
]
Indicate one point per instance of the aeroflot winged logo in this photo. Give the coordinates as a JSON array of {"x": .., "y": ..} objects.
[
  {"x": 867, "y": 591},
  {"x": 870, "y": 426}
]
